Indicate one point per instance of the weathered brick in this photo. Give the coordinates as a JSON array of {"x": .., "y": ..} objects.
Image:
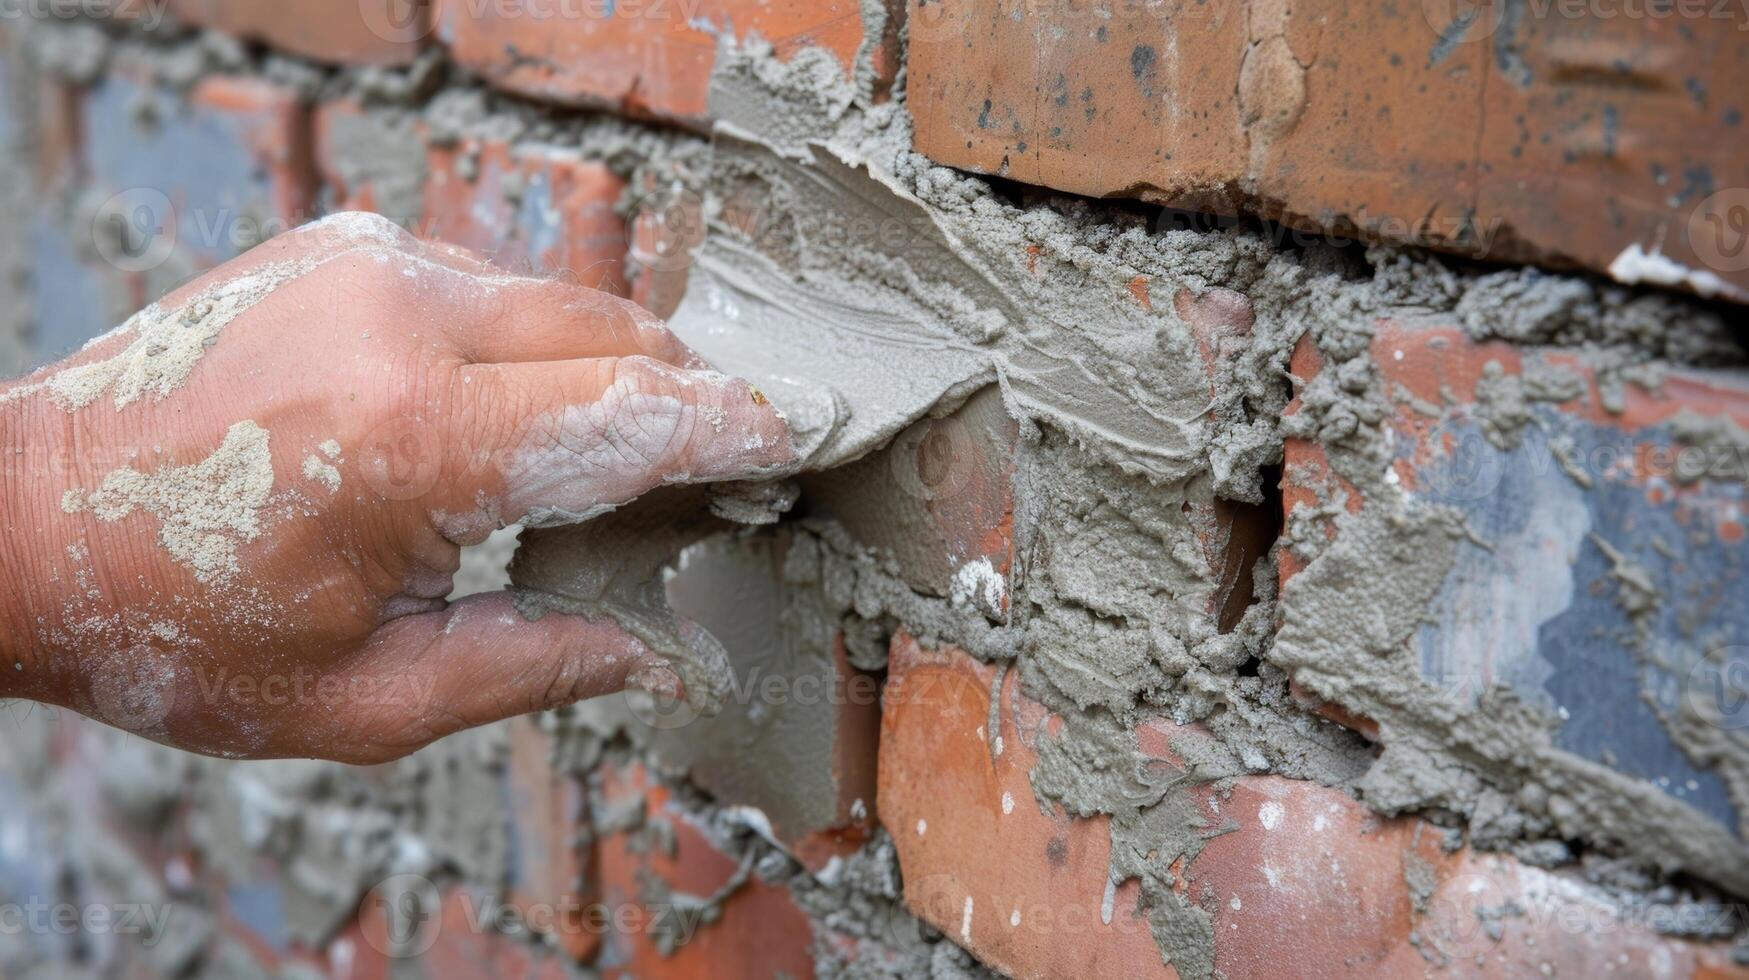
[
  {"x": 759, "y": 932},
  {"x": 76, "y": 294},
  {"x": 1300, "y": 873},
  {"x": 463, "y": 951},
  {"x": 371, "y": 160},
  {"x": 642, "y": 57},
  {"x": 1583, "y": 485},
  {"x": 56, "y": 135},
  {"x": 200, "y": 179},
  {"x": 667, "y": 224},
  {"x": 352, "y": 32},
  {"x": 1554, "y": 135},
  {"x": 537, "y": 209},
  {"x": 550, "y": 858},
  {"x": 939, "y": 501}
]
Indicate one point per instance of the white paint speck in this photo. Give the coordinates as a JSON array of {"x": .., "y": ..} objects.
[
  {"x": 978, "y": 583},
  {"x": 1636, "y": 265},
  {"x": 1106, "y": 904},
  {"x": 1234, "y": 903},
  {"x": 1007, "y": 803},
  {"x": 1014, "y": 919},
  {"x": 966, "y": 922},
  {"x": 1270, "y": 814},
  {"x": 922, "y": 827}
]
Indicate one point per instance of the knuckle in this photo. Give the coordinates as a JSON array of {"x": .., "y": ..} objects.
[{"x": 347, "y": 230}]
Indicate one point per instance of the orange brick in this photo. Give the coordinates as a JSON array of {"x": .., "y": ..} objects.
[
  {"x": 534, "y": 209},
  {"x": 1302, "y": 874},
  {"x": 1584, "y": 484},
  {"x": 352, "y": 32},
  {"x": 939, "y": 500},
  {"x": 642, "y": 57},
  {"x": 667, "y": 225},
  {"x": 464, "y": 952},
  {"x": 551, "y": 868},
  {"x": 759, "y": 933},
  {"x": 1536, "y": 134}
]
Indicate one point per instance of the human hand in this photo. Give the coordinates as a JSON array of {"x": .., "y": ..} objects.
[{"x": 231, "y": 526}]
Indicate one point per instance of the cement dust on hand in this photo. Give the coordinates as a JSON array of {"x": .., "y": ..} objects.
[
  {"x": 322, "y": 470},
  {"x": 207, "y": 509},
  {"x": 167, "y": 343}
]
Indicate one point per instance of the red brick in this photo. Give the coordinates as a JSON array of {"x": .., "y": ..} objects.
[
  {"x": 1555, "y": 635},
  {"x": 57, "y": 135},
  {"x": 360, "y": 155},
  {"x": 940, "y": 499},
  {"x": 760, "y": 932},
  {"x": 667, "y": 225},
  {"x": 224, "y": 169},
  {"x": 1554, "y": 138},
  {"x": 550, "y": 878},
  {"x": 464, "y": 952},
  {"x": 536, "y": 209},
  {"x": 1305, "y": 875},
  {"x": 351, "y": 32},
  {"x": 642, "y": 57}
]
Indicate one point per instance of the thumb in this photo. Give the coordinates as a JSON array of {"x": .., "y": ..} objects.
[{"x": 476, "y": 662}]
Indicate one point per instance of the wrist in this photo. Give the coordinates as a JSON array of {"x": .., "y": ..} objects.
[{"x": 25, "y": 670}]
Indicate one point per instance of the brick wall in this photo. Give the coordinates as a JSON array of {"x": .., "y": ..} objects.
[{"x": 913, "y": 837}]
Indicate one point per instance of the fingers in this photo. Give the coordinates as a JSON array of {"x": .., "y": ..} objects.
[
  {"x": 476, "y": 662},
  {"x": 572, "y": 439},
  {"x": 521, "y": 320}
]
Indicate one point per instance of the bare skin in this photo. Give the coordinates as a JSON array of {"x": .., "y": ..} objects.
[{"x": 459, "y": 399}]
